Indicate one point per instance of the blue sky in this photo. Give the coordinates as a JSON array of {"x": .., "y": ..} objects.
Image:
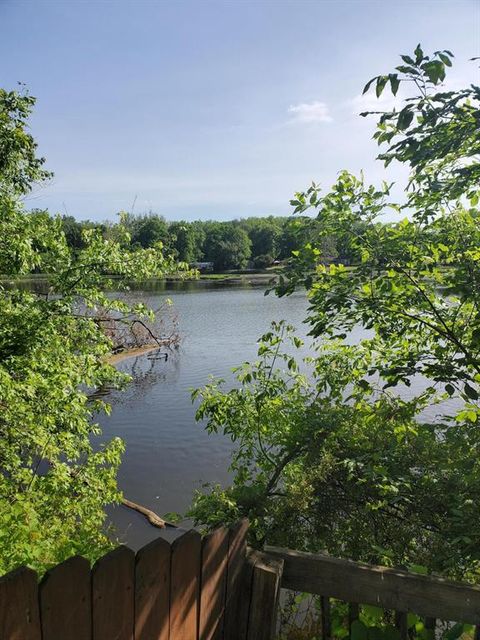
[{"x": 204, "y": 109}]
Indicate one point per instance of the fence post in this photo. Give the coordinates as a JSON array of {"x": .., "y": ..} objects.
[
  {"x": 152, "y": 591},
  {"x": 326, "y": 617},
  {"x": 184, "y": 586},
  {"x": 213, "y": 585},
  {"x": 65, "y": 601},
  {"x": 238, "y": 583},
  {"x": 113, "y": 595},
  {"x": 19, "y": 614},
  {"x": 267, "y": 578}
]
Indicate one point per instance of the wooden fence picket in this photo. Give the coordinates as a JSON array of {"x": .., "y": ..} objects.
[
  {"x": 184, "y": 586},
  {"x": 65, "y": 601},
  {"x": 152, "y": 591},
  {"x": 113, "y": 595},
  {"x": 267, "y": 577},
  {"x": 213, "y": 584},
  {"x": 19, "y": 614},
  {"x": 238, "y": 574}
]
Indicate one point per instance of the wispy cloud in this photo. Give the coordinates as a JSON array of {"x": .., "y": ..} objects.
[
  {"x": 369, "y": 102},
  {"x": 310, "y": 112}
]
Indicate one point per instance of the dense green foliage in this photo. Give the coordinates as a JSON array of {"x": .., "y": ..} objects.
[
  {"x": 229, "y": 245},
  {"x": 372, "y": 451},
  {"x": 54, "y": 480}
]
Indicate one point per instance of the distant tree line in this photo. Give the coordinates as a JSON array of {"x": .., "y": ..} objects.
[{"x": 236, "y": 244}]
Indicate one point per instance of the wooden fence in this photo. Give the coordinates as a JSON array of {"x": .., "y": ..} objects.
[
  {"x": 432, "y": 598},
  {"x": 211, "y": 588},
  {"x": 189, "y": 589}
]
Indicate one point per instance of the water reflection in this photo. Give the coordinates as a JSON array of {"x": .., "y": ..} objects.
[{"x": 168, "y": 455}]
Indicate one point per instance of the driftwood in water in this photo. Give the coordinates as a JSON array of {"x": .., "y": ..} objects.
[{"x": 153, "y": 518}]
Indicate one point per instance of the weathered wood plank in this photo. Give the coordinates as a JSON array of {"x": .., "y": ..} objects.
[
  {"x": 267, "y": 577},
  {"x": 326, "y": 617},
  {"x": 430, "y": 625},
  {"x": 353, "y": 613},
  {"x": 19, "y": 613},
  {"x": 387, "y": 588},
  {"x": 113, "y": 595},
  {"x": 401, "y": 624},
  {"x": 152, "y": 591},
  {"x": 65, "y": 601},
  {"x": 184, "y": 586},
  {"x": 239, "y": 577},
  {"x": 213, "y": 584}
]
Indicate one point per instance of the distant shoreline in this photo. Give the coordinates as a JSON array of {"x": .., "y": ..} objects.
[{"x": 254, "y": 277}]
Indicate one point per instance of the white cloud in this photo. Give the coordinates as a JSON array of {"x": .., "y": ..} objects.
[
  {"x": 310, "y": 112},
  {"x": 369, "y": 102}
]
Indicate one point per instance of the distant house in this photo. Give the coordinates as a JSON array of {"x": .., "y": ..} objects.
[{"x": 202, "y": 266}]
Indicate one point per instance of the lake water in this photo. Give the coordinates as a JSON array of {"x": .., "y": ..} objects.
[{"x": 168, "y": 455}]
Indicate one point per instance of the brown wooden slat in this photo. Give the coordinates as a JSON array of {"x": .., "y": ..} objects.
[
  {"x": 239, "y": 575},
  {"x": 19, "y": 613},
  {"x": 244, "y": 599},
  {"x": 213, "y": 584},
  {"x": 353, "y": 613},
  {"x": 184, "y": 586},
  {"x": 65, "y": 601},
  {"x": 386, "y": 588},
  {"x": 113, "y": 595},
  {"x": 267, "y": 576},
  {"x": 430, "y": 625},
  {"x": 326, "y": 617},
  {"x": 401, "y": 624},
  {"x": 152, "y": 591}
]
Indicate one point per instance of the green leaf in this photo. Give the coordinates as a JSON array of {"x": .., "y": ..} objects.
[
  {"x": 470, "y": 392},
  {"x": 405, "y": 118},
  {"x": 454, "y": 633},
  {"x": 364, "y": 384},
  {"x": 394, "y": 83},
  {"x": 418, "y": 568},
  {"x": 380, "y": 86},
  {"x": 368, "y": 85},
  {"x": 445, "y": 59},
  {"x": 418, "y": 54},
  {"x": 375, "y": 614},
  {"x": 435, "y": 71}
]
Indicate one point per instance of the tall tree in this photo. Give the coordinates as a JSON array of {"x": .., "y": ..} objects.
[
  {"x": 227, "y": 246},
  {"x": 184, "y": 240},
  {"x": 376, "y": 455},
  {"x": 147, "y": 230},
  {"x": 55, "y": 479}
]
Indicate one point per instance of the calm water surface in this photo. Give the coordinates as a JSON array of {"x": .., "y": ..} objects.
[{"x": 168, "y": 455}]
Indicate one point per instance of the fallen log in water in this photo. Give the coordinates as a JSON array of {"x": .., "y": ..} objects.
[{"x": 153, "y": 518}]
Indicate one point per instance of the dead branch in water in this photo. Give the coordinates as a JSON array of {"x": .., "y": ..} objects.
[
  {"x": 132, "y": 331},
  {"x": 153, "y": 518}
]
